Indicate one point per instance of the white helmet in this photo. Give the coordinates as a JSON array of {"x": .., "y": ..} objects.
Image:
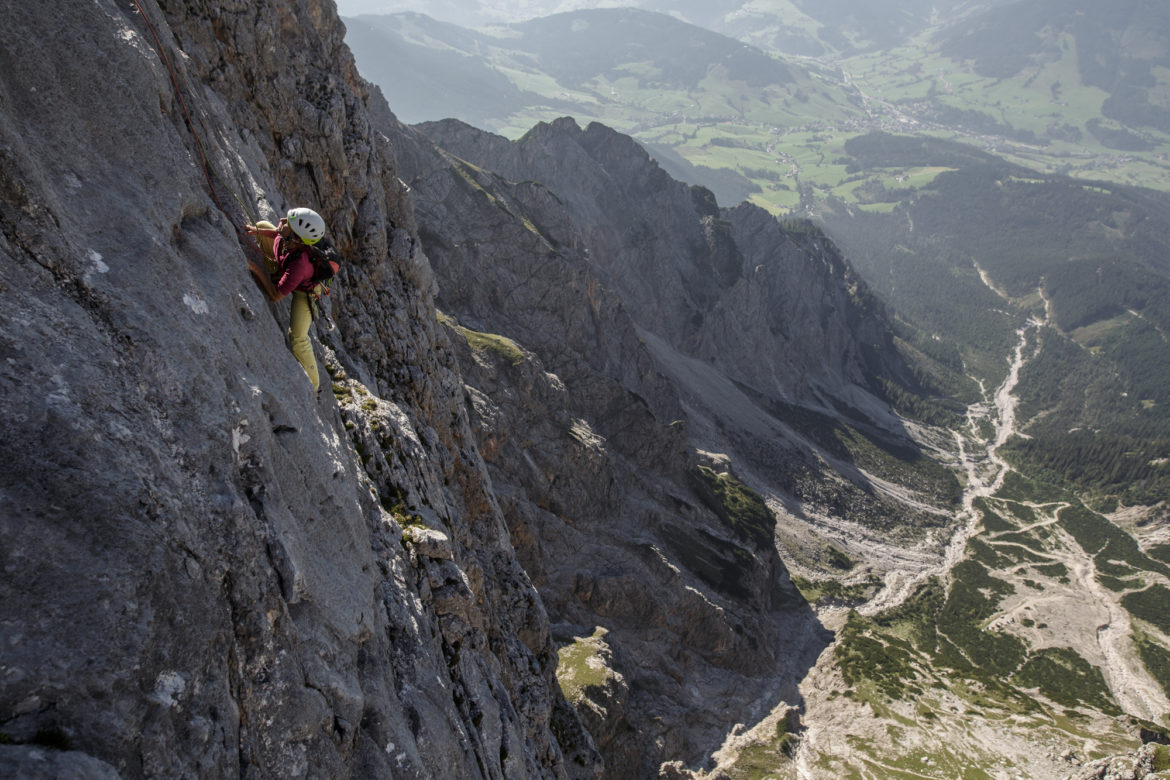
[{"x": 307, "y": 224}]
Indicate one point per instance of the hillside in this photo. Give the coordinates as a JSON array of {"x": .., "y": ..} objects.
[
  {"x": 708, "y": 102},
  {"x": 1118, "y": 49},
  {"x": 420, "y": 70},
  {"x": 1088, "y": 259},
  {"x": 801, "y": 27}
]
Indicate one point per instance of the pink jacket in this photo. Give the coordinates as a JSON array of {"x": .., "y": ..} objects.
[{"x": 296, "y": 269}]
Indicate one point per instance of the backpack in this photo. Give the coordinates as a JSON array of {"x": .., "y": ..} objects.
[{"x": 326, "y": 262}]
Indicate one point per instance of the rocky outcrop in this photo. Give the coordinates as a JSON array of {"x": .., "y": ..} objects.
[
  {"x": 1149, "y": 761},
  {"x": 774, "y": 308},
  {"x": 206, "y": 570},
  {"x": 586, "y": 440},
  {"x": 659, "y": 352}
]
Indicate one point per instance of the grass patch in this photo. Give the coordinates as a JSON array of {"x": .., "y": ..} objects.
[
  {"x": 865, "y": 655},
  {"x": 1162, "y": 757},
  {"x": 1151, "y": 605},
  {"x": 1156, "y": 659},
  {"x": 1160, "y": 552},
  {"x": 993, "y": 521},
  {"x": 1116, "y": 552},
  {"x": 737, "y": 505},
  {"x": 761, "y": 760},
  {"x": 1067, "y": 679},
  {"x": 973, "y": 600},
  {"x": 839, "y": 560},
  {"x": 1017, "y": 487},
  {"x": 917, "y": 615},
  {"x": 583, "y": 665},
  {"x": 1056, "y": 570},
  {"x": 491, "y": 343}
]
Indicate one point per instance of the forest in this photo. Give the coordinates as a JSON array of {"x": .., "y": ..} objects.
[{"x": 1091, "y": 261}]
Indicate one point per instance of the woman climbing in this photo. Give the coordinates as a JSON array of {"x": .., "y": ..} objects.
[{"x": 290, "y": 270}]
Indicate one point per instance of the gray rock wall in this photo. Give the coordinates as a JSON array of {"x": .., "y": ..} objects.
[
  {"x": 777, "y": 310},
  {"x": 588, "y": 441},
  {"x": 205, "y": 570}
]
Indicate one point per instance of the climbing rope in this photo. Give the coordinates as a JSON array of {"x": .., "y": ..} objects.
[{"x": 209, "y": 171}]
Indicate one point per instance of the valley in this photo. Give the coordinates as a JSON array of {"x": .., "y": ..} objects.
[
  {"x": 777, "y": 141},
  {"x": 1045, "y": 594}
]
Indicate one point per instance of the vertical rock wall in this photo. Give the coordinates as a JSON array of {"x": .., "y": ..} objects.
[{"x": 205, "y": 570}]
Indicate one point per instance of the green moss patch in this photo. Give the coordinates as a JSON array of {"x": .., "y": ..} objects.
[
  {"x": 740, "y": 507},
  {"x": 493, "y": 343},
  {"x": 583, "y": 665}
]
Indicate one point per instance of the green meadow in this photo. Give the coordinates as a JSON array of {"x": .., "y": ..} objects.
[{"x": 788, "y": 139}]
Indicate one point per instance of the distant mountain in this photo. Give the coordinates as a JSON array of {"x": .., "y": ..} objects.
[
  {"x": 1120, "y": 47},
  {"x": 427, "y": 69},
  {"x": 632, "y": 69},
  {"x": 821, "y": 28},
  {"x": 576, "y": 47},
  {"x": 802, "y": 27},
  {"x": 573, "y": 48}
]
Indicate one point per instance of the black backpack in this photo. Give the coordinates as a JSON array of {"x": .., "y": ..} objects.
[{"x": 326, "y": 264}]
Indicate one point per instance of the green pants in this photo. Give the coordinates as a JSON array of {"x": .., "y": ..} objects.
[
  {"x": 300, "y": 318},
  {"x": 298, "y": 335}
]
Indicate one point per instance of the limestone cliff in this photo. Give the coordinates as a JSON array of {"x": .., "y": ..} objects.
[
  {"x": 763, "y": 331},
  {"x": 627, "y": 345},
  {"x": 770, "y": 307},
  {"x": 206, "y": 571},
  {"x": 603, "y": 492}
]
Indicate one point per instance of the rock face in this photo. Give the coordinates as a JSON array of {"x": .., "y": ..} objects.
[
  {"x": 768, "y": 306},
  {"x": 206, "y": 571},
  {"x": 624, "y": 341},
  {"x": 587, "y": 444}
]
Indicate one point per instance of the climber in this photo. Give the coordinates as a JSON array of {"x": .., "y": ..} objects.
[{"x": 290, "y": 270}]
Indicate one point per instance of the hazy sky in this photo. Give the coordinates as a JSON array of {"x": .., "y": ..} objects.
[
  {"x": 479, "y": 9},
  {"x": 355, "y": 7}
]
